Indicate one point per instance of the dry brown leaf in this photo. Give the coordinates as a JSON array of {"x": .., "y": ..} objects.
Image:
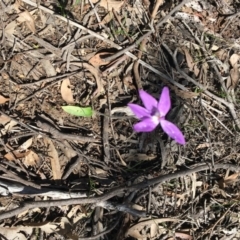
[
  {"x": 153, "y": 230},
  {"x": 17, "y": 6},
  {"x": 73, "y": 211},
  {"x": 16, "y": 154},
  {"x": 3, "y": 99},
  {"x": 231, "y": 179},
  {"x": 234, "y": 74},
  {"x": 31, "y": 159},
  {"x": 67, "y": 149},
  {"x": 196, "y": 70},
  {"x": 66, "y": 91},
  {"x": 52, "y": 153},
  {"x": 135, "y": 230},
  {"x": 26, "y": 144},
  {"x": 107, "y": 18},
  {"x": 203, "y": 145},
  {"x": 139, "y": 156},
  {"x": 48, "y": 67},
  {"x": 28, "y": 18},
  {"x": 13, "y": 233},
  {"x": 97, "y": 60},
  {"x": 214, "y": 48},
  {"x": 125, "y": 110},
  {"x": 221, "y": 54},
  {"x": 4, "y": 119},
  {"x": 61, "y": 225},
  {"x": 8, "y": 127},
  {"x": 26, "y": 212},
  {"x": 229, "y": 82},
  {"x": 183, "y": 236},
  {"x": 111, "y": 4},
  {"x": 184, "y": 94},
  {"x": 10, "y": 28},
  {"x": 192, "y": 66},
  {"x": 234, "y": 59},
  {"x": 156, "y": 7},
  {"x": 189, "y": 59}
]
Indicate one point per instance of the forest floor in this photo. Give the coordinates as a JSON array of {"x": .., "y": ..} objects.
[{"x": 72, "y": 166}]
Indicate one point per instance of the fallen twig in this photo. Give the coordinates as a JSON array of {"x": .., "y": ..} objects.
[{"x": 114, "y": 192}]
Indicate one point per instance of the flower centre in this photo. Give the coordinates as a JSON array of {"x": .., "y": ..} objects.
[{"x": 156, "y": 117}]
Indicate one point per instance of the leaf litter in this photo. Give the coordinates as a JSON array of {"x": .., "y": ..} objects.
[{"x": 40, "y": 46}]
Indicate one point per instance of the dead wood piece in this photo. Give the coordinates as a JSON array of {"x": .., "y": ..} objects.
[
  {"x": 49, "y": 79},
  {"x": 59, "y": 135},
  {"x": 105, "y": 136},
  {"x": 136, "y": 65},
  {"x": 116, "y": 191},
  {"x": 40, "y": 90},
  {"x": 121, "y": 208},
  {"x": 156, "y": 7},
  {"x": 72, "y": 167},
  {"x": 18, "y": 179},
  {"x": 18, "y": 189}
]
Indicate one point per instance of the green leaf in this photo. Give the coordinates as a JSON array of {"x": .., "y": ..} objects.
[{"x": 78, "y": 111}]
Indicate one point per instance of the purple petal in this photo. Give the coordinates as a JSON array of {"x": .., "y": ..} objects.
[
  {"x": 164, "y": 103},
  {"x": 139, "y": 111},
  {"x": 172, "y": 131},
  {"x": 146, "y": 125},
  {"x": 149, "y": 102}
]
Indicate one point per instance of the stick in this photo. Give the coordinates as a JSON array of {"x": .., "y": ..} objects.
[{"x": 116, "y": 191}]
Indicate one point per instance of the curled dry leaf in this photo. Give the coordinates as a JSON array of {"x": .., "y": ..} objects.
[
  {"x": 233, "y": 79},
  {"x": 111, "y": 4},
  {"x": 231, "y": 179},
  {"x": 182, "y": 93},
  {"x": 195, "y": 5},
  {"x": 8, "y": 127},
  {"x": 66, "y": 91},
  {"x": 203, "y": 145},
  {"x": 135, "y": 230},
  {"x": 156, "y": 7},
  {"x": 107, "y": 18},
  {"x": 31, "y": 159},
  {"x": 4, "y": 119},
  {"x": 10, "y": 28},
  {"x": 16, "y": 154},
  {"x": 3, "y": 99},
  {"x": 28, "y": 18},
  {"x": 234, "y": 74},
  {"x": 182, "y": 236},
  {"x": 60, "y": 225},
  {"x": 20, "y": 233},
  {"x": 48, "y": 67},
  {"x": 26, "y": 144},
  {"x": 221, "y": 54},
  {"x": 234, "y": 59},
  {"x": 53, "y": 155},
  {"x": 125, "y": 110},
  {"x": 98, "y": 59},
  {"x": 190, "y": 62}
]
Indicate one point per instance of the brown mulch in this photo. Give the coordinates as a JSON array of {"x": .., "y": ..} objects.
[{"x": 73, "y": 177}]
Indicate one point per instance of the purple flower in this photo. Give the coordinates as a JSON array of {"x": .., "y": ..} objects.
[{"x": 154, "y": 113}]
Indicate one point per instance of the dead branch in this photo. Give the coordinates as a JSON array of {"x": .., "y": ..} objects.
[{"x": 116, "y": 191}]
